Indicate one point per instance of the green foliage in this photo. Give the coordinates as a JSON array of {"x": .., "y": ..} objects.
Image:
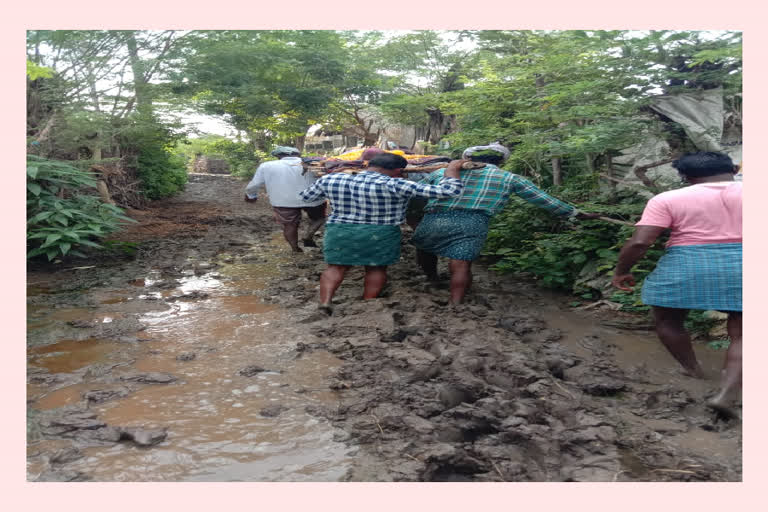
[
  {"x": 62, "y": 216},
  {"x": 699, "y": 323},
  {"x": 242, "y": 156},
  {"x": 276, "y": 81},
  {"x": 35, "y": 71},
  {"x": 719, "y": 344},
  {"x": 525, "y": 238},
  {"x": 630, "y": 301},
  {"x": 162, "y": 172}
]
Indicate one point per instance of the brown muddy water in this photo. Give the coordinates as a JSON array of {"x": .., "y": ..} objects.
[{"x": 221, "y": 425}]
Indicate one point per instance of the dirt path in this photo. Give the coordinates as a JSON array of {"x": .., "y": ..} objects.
[{"x": 202, "y": 358}]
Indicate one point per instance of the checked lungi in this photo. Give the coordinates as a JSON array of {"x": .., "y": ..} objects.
[
  {"x": 705, "y": 277},
  {"x": 361, "y": 244},
  {"x": 455, "y": 234}
]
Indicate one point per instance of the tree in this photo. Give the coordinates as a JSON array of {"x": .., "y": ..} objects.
[{"x": 269, "y": 84}]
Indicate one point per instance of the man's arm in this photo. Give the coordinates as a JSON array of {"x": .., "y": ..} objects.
[
  {"x": 252, "y": 190},
  {"x": 529, "y": 192},
  {"x": 449, "y": 186},
  {"x": 313, "y": 193},
  {"x": 631, "y": 253}
]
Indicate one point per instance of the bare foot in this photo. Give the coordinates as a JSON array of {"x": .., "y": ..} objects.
[
  {"x": 722, "y": 409},
  {"x": 696, "y": 373},
  {"x": 325, "y": 308},
  {"x": 296, "y": 249}
]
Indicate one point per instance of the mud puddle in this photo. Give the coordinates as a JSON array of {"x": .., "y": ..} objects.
[{"x": 207, "y": 368}]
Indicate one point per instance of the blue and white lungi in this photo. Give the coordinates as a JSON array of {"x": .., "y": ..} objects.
[{"x": 706, "y": 277}]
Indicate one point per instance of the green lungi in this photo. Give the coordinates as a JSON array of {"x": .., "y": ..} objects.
[{"x": 361, "y": 244}]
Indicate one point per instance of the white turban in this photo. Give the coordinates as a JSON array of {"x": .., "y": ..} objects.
[{"x": 494, "y": 146}]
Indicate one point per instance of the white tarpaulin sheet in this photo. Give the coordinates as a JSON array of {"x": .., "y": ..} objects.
[{"x": 700, "y": 113}]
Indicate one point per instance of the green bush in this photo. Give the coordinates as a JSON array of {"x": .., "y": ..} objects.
[
  {"x": 162, "y": 172},
  {"x": 62, "y": 214},
  {"x": 560, "y": 254},
  {"x": 241, "y": 156}
]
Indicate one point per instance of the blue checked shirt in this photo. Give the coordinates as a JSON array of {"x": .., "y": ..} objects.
[
  {"x": 374, "y": 198},
  {"x": 488, "y": 190}
]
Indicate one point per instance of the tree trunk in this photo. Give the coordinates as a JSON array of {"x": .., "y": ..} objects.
[
  {"x": 300, "y": 142},
  {"x": 438, "y": 125},
  {"x": 143, "y": 100},
  {"x": 557, "y": 173},
  {"x": 45, "y": 133}
]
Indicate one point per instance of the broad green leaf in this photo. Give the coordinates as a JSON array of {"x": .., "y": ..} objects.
[
  {"x": 35, "y": 252},
  {"x": 40, "y": 216},
  {"x": 34, "y": 188},
  {"x": 50, "y": 239},
  {"x": 61, "y": 219},
  {"x": 90, "y": 244}
]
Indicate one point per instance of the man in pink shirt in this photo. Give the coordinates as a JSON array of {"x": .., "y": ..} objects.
[{"x": 702, "y": 266}]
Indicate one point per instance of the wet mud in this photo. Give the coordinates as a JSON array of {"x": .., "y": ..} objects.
[{"x": 202, "y": 357}]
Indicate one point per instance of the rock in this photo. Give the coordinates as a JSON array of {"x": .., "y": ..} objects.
[
  {"x": 418, "y": 424},
  {"x": 272, "y": 411},
  {"x": 186, "y": 356},
  {"x": 62, "y": 476},
  {"x": 103, "y": 395},
  {"x": 250, "y": 371},
  {"x": 66, "y": 455},
  {"x": 603, "y": 386},
  {"x": 438, "y": 452},
  {"x": 97, "y": 370},
  {"x": 150, "y": 378},
  {"x": 451, "y": 396},
  {"x": 143, "y": 437},
  {"x": 82, "y": 324},
  {"x": 71, "y": 422},
  {"x": 665, "y": 426}
]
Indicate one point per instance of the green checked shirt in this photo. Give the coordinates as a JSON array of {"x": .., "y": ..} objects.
[{"x": 488, "y": 190}]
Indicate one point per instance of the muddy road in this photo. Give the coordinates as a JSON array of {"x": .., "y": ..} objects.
[{"x": 201, "y": 358}]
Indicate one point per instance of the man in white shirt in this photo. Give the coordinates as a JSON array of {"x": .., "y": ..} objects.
[{"x": 284, "y": 179}]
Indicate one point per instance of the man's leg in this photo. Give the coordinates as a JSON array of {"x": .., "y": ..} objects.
[
  {"x": 461, "y": 279},
  {"x": 291, "y": 234},
  {"x": 330, "y": 280},
  {"x": 375, "y": 279},
  {"x": 731, "y": 379},
  {"x": 670, "y": 327},
  {"x": 289, "y": 219},
  {"x": 316, "y": 216},
  {"x": 428, "y": 263}
]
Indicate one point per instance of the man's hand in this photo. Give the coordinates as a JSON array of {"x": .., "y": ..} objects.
[
  {"x": 453, "y": 169},
  {"x": 587, "y": 215},
  {"x": 458, "y": 163},
  {"x": 250, "y": 200},
  {"x": 623, "y": 282}
]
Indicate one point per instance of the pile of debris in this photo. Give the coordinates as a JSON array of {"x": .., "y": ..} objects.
[{"x": 118, "y": 183}]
